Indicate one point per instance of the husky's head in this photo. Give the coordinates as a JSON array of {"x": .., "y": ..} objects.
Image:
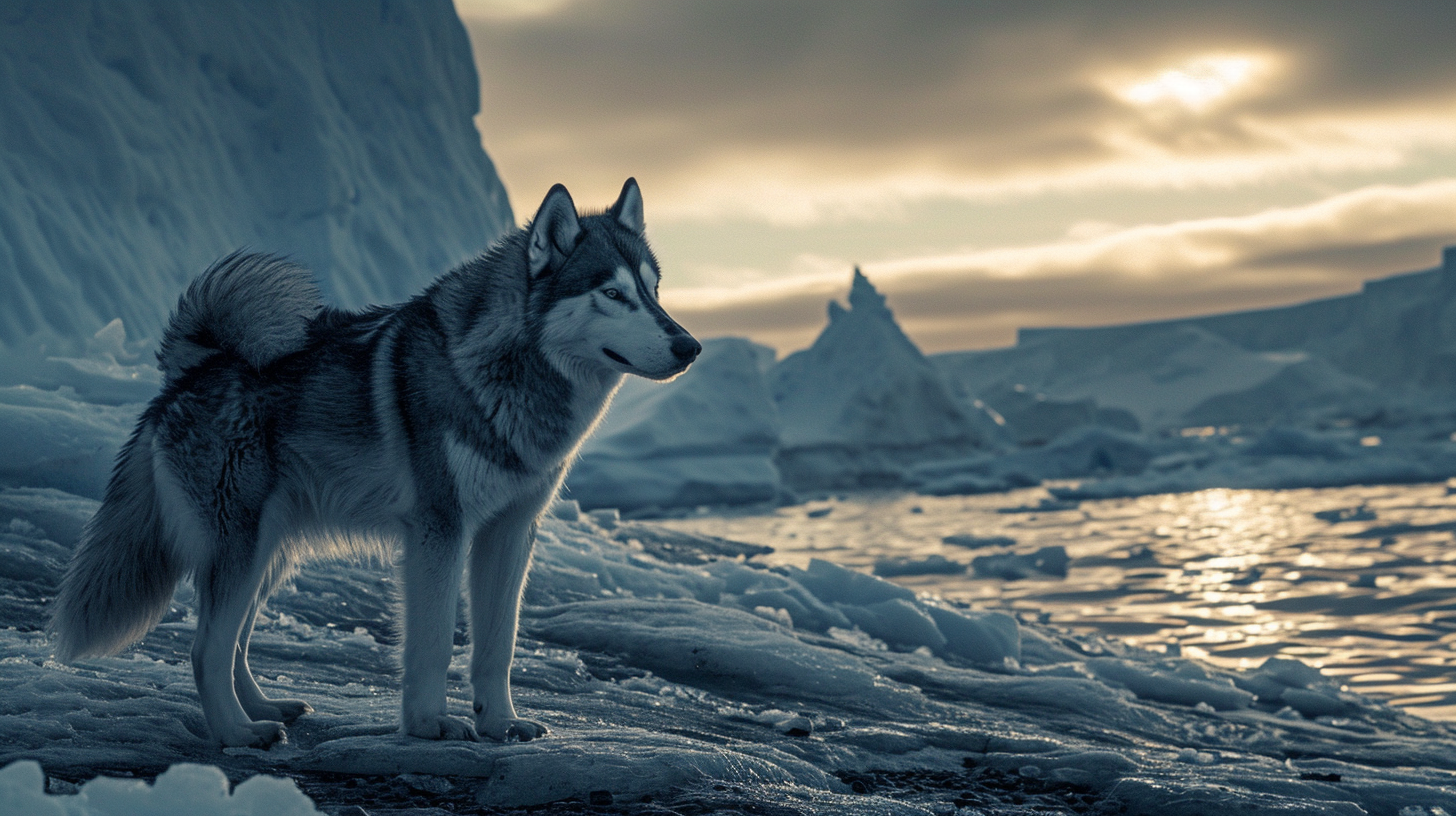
[{"x": 594, "y": 282}]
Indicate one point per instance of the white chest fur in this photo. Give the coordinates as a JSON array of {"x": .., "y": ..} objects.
[{"x": 484, "y": 488}]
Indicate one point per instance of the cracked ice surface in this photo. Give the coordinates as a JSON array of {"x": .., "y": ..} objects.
[{"x": 704, "y": 684}]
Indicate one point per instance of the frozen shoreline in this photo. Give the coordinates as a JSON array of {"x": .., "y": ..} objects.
[{"x": 670, "y": 678}]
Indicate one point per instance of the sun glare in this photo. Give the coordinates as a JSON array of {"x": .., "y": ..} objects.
[{"x": 1198, "y": 84}]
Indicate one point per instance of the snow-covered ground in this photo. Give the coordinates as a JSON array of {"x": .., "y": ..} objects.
[
  {"x": 680, "y": 678},
  {"x": 683, "y": 669}
]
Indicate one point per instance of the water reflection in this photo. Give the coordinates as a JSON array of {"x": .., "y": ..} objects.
[{"x": 1366, "y": 590}]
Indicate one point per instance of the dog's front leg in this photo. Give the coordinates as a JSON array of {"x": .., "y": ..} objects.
[
  {"x": 433, "y": 561},
  {"x": 499, "y": 558}
]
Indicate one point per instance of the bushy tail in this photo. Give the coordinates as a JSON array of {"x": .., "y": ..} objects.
[
  {"x": 252, "y": 306},
  {"x": 122, "y": 575}
]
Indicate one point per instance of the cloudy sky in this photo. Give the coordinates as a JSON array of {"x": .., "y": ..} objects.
[{"x": 990, "y": 165}]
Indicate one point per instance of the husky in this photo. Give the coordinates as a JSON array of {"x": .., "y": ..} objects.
[{"x": 443, "y": 425}]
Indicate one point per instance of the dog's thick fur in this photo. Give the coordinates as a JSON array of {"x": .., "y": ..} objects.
[{"x": 286, "y": 429}]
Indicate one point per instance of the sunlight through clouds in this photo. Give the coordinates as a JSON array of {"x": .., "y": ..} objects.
[
  {"x": 1199, "y": 83},
  {"x": 957, "y": 144},
  {"x": 1145, "y": 272}
]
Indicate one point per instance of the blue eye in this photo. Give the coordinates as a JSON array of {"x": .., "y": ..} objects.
[{"x": 613, "y": 294}]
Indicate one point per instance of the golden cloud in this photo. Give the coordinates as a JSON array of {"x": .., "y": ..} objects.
[{"x": 1145, "y": 272}]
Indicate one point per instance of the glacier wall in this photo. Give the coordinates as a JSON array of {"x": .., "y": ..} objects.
[{"x": 139, "y": 141}]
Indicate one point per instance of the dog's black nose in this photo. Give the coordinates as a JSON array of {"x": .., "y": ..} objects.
[{"x": 685, "y": 348}]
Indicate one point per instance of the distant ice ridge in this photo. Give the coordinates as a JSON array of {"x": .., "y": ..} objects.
[
  {"x": 1288, "y": 397},
  {"x": 142, "y": 141},
  {"x": 1387, "y": 349}
]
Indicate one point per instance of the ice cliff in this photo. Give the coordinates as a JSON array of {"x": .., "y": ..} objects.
[{"x": 140, "y": 141}]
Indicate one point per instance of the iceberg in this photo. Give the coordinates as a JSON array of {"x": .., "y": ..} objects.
[{"x": 862, "y": 403}]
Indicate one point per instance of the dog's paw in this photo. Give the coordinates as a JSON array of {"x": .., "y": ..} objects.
[
  {"x": 442, "y": 728},
  {"x": 285, "y": 711},
  {"x": 506, "y": 729},
  {"x": 263, "y": 734}
]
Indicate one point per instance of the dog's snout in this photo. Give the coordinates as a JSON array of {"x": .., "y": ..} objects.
[{"x": 685, "y": 348}]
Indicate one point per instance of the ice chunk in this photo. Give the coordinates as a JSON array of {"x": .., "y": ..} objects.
[
  {"x": 1315, "y": 702},
  {"x": 833, "y": 583},
  {"x": 1361, "y": 513},
  {"x": 710, "y": 646},
  {"x": 1292, "y": 672},
  {"x": 897, "y": 622},
  {"x": 748, "y": 588},
  {"x": 22, "y": 791},
  {"x": 981, "y": 636},
  {"x": 930, "y": 565},
  {"x": 1049, "y": 561},
  {"x": 182, "y": 790},
  {"x": 1149, "y": 683},
  {"x": 968, "y": 484},
  {"x": 974, "y": 542}
]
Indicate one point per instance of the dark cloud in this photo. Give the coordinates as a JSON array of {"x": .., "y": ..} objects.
[
  {"x": 791, "y": 111},
  {"x": 670, "y": 89}
]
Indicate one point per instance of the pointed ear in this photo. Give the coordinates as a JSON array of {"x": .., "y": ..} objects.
[
  {"x": 628, "y": 209},
  {"x": 553, "y": 230}
]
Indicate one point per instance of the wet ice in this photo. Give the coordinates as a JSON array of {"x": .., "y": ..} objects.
[{"x": 664, "y": 678}]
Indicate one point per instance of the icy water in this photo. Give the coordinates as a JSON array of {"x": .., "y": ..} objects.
[{"x": 1366, "y": 590}]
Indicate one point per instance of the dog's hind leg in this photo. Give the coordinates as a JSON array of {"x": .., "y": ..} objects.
[
  {"x": 227, "y": 587},
  {"x": 255, "y": 704},
  {"x": 499, "y": 558},
  {"x": 433, "y": 565}
]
